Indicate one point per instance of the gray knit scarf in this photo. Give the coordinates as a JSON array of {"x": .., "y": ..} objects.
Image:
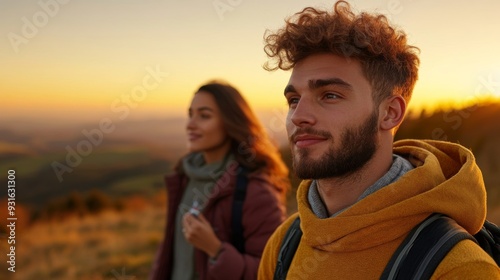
[{"x": 202, "y": 179}]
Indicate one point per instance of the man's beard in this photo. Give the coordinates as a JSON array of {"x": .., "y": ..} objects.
[{"x": 358, "y": 145}]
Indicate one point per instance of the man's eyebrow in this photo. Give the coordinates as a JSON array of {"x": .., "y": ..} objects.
[
  {"x": 315, "y": 84},
  {"x": 289, "y": 88}
]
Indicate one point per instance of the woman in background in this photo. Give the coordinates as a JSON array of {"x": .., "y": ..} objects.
[{"x": 225, "y": 139}]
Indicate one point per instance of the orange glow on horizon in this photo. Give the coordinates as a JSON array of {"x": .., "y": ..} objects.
[{"x": 77, "y": 68}]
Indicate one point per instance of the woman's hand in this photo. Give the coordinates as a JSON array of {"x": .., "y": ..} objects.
[{"x": 199, "y": 233}]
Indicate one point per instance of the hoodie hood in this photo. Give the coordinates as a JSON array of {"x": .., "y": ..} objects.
[{"x": 446, "y": 179}]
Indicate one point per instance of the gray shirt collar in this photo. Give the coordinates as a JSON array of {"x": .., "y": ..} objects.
[{"x": 398, "y": 168}]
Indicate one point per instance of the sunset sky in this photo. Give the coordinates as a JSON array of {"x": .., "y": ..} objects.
[{"x": 73, "y": 60}]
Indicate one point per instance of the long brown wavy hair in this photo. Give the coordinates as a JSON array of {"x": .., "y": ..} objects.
[
  {"x": 250, "y": 144},
  {"x": 388, "y": 62}
]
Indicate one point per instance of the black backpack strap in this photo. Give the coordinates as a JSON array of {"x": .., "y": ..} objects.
[
  {"x": 288, "y": 247},
  {"x": 424, "y": 248},
  {"x": 489, "y": 239},
  {"x": 237, "y": 237}
]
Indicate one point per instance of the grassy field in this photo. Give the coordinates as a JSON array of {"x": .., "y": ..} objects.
[{"x": 111, "y": 245}]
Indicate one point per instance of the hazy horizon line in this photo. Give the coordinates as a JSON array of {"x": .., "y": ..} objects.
[{"x": 263, "y": 113}]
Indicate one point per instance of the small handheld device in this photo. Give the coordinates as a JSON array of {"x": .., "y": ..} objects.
[{"x": 195, "y": 209}]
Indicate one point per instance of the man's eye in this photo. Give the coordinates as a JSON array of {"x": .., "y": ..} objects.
[
  {"x": 332, "y": 96},
  {"x": 293, "y": 100},
  {"x": 203, "y": 116}
]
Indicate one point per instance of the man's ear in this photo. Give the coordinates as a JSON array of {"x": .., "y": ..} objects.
[{"x": 392, "y": 112}]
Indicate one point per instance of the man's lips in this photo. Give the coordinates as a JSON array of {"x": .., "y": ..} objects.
[{"x": 302, "y": 141}]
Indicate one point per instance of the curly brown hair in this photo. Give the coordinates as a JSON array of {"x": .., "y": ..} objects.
[{"x": 388, "y": 62}]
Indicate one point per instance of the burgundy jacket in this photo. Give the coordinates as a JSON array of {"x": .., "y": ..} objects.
[{"x": 263, "y": 212}]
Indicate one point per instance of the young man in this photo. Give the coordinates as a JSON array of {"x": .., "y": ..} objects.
[{"x": 352, "y": 79}]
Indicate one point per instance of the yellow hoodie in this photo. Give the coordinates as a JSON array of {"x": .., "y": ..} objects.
[{"x": 358, "y": 243}]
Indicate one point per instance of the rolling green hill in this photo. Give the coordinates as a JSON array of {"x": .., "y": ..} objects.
[{"x": 56, "y": 161}]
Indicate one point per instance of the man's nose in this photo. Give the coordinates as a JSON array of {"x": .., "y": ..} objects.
[{"x": 303, "y": 113}]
